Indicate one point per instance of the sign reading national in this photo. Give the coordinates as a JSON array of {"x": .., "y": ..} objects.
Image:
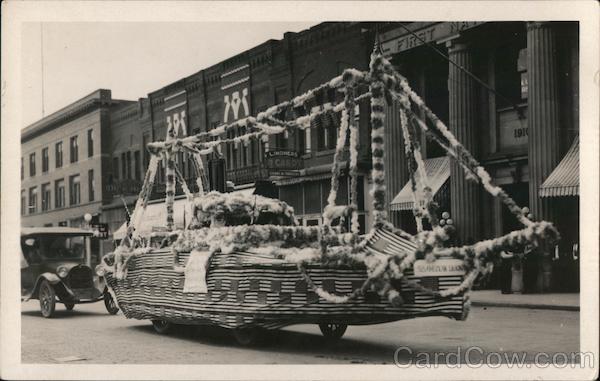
[{"x": 439, "y": 267}]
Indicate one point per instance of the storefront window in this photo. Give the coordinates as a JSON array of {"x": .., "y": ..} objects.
[
  {"x": 293, "y": 196},
  {"x": 312, "y": 197}
]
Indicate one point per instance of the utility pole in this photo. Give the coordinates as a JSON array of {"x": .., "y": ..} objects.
[{"x": 42, "y": 63}]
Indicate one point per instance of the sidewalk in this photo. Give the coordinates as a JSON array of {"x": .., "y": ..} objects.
[{"x": 494, "y": 298}]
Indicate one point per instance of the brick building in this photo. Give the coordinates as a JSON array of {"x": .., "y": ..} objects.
[{"x": 250, "y": 82}]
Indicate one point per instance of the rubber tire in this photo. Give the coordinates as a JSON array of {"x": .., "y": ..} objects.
[
  {"x": 247, "y": 336},
  {"x": 47, "y": 297},
  {"x": 162, "y": 327},
  {"x": 333, "y": 331},
  {"x": 110, "y": 304},
  {"x": 69, "y": 306}
]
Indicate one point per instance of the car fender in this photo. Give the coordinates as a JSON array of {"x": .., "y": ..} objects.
[{"x": 53, "y": 279}]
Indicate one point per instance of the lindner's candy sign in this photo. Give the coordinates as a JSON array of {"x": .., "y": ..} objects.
[
  {"x": 235, "y": 85},
  {"x": 283, "y": 162}
]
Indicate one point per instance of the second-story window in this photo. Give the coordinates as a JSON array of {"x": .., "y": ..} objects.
[
  {"x": 32, "y": 164},
  {"x": 145, "y": 155},
  {"x": 327, "y": 131},
  {"x": 23, "y": 202},
  {"x": 123, "y": 166},
  {"x": 74, "y": 190},
  {"x": 45, "y": 160},
  {"x": 136, "y": 165},
  {"x": 32, "y": 200},
  {"x": 58, "y": 154},
  {"x": 91, "y": 185},
  {"x": 90, "y": 142},
  {"x": 115, "y": 168},
  {"x": 45, "y": 197},
  {"x": 74, "y": 147},
  {"x": 128, "y": 157},
  {"x": 59, "y": 193},
  {"x": 22, "y": 168}
]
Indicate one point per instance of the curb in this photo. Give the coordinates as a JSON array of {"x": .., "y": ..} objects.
[{"x": 525, "y": 305}]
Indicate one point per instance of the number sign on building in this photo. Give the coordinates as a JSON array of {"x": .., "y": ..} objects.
[
  {"x": 176, "y": 112},
  {"x": 235, "y": 85}
]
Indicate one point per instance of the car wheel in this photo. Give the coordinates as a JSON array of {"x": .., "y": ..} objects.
[
  {"x": 333, "y": 331},
  {"x": 162, "y": 327},
  {"x": 69, "y": 306},
  {"x": 110, "y": 304},
  {"x": 47, "y": 298},
  {"x": 247, "y": 336}
]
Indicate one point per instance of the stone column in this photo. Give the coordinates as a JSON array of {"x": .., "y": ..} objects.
[
  {"x": 464, "y": 195},
  {"x": 543, "y": 116},
  {"x": 543, "y": 123},
  {"x": 395, "y": 159}
]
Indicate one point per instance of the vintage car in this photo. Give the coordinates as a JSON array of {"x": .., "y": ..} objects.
[{"x": 56, "y": 267}]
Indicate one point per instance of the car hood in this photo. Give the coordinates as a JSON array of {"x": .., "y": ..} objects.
[{"x": 53, "y": 266}]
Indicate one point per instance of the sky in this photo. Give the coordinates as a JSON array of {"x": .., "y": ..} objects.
[{"x": 130, "y": 58}]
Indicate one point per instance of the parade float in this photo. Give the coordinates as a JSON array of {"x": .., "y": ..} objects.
[{"x": 244, "y": 263}]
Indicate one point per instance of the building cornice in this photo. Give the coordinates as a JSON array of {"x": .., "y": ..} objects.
[{"x": 98, "y": 99}]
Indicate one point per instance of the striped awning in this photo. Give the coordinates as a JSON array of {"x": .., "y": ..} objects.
[
  {"x": 438, "y": 171},
  {"x": 388, "y": 243},
  {"x": 564, "y": 180}
]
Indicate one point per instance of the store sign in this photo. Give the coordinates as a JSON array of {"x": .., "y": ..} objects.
[
  {"x": 439, "y": 267},
  {"x": 399, "y": 40},
  {"x": 101, "y": 229},
  {"x": 235, "y": 85},
  {"x": 124, "y": 187},
  {"x": 176, "y": 113},
  {"x": 282, "y": 160},
  {"x": 513, "y": 132}
]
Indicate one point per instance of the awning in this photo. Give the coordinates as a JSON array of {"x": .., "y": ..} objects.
[
  {"x": 564, "y": 180},
  {"x": 438, "y": 171},
  {"x": 155, "y": 218}
]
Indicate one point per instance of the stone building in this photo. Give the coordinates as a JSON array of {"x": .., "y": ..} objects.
[{"x": 520, "y": 129}]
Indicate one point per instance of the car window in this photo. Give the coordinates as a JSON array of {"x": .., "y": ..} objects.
[
  {"x": 63, "y": 247},
  {"x": 31, "y": 250}
]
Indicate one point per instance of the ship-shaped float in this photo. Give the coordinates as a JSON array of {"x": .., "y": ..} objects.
[{"x": 242, "y": 262}]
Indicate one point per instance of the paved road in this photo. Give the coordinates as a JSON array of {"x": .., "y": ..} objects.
[{"x": 90, "y": 333}]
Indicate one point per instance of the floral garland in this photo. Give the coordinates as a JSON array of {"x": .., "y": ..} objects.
[
  {"x": 306, "y": 246},
  {"x": 349, "y": 103},
  {"x": 376, "y": 88}
]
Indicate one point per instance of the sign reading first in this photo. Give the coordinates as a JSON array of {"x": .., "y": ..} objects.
[{"x": 176, "y": 113}]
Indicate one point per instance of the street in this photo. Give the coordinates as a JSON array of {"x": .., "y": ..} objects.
[{"x": 93, "y": 336}]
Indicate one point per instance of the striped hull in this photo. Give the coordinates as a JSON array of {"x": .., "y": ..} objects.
[{"x": 245, "y": 289}]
